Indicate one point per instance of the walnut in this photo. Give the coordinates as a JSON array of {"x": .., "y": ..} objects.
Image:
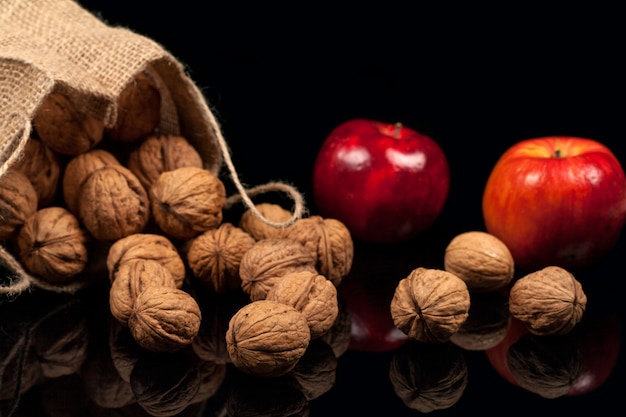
[
  {"x": 62, "y": 126},
  {"x": 549, "y": 301},
  {"x": 187, "y": 201},
  {"x": 311, "y": 294},
  {"x": 266, "y": 338},
  {"x": 112, "y": 204},
  {"x": 430, "y": 305},
  {"x": 18, "y": 201},
  {"x": 146, "y": 246},
  {"x": 78, "y": 169},
  {"x": 215, "y": 255},
  {"x": 269, "y": 260},
  {"x": 138, "y": 110},
  {"x": 330, "y": 243},
  {"x": 481, "y": 260},
  {"x": 260, "y": 230},
  {"x": 487, "y": 323},
  {"x": 53, "y": 245},
  {"x": 160, "y": 153},
  {"x": 133, "y": 277},
  {"x": 42, "y": 166}
]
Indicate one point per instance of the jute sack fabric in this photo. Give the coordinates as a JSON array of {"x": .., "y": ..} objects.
[{"x": 57, "y": 45}]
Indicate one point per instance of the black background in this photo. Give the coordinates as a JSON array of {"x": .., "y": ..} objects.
[{"x": 475, "y": 78}]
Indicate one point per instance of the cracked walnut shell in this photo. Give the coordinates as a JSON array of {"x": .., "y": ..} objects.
[
  {"x": 481, "y": 260},
  {"x": 187, "y": 201},
  {"x": 266, "y": 338},
  {"x": 430, "y": 305},
  {"x": 549, "y": 301}
]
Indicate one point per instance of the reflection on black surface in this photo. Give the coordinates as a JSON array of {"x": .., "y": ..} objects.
[{"x": 429, "y": 377}]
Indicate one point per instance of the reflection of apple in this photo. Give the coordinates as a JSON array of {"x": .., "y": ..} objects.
[
  {"x": 385, "y": 182},
  {"x": 596, "y": 337},
  {"x": 556, "y": 201}
]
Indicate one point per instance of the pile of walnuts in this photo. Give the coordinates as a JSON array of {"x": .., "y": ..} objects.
[{"x": 433, "y": 305}]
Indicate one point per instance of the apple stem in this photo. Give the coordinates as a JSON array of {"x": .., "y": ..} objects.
[
  {"x": 396, "y": 133},
  {"x": 557, "y": 153}
]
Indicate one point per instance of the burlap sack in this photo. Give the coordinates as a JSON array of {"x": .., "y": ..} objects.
[{"x": 56, "y": 45}]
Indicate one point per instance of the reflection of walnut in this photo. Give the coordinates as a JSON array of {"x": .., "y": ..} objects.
[
  {"x": 18, "y": 201},
  {"x": 112, "y": 204},
  {"x": 430, "y": 305},
  {"x": 64, "y": 127},
  {"x": 266, "y": 338},
  {"x": 316, "y": 371},
  {"x": 131, "y": 279},
  {"x": 338, "y": 336},
  {"x": 146, "y": 246},
  {"x": 329, "y": 242},
  {"x": 481, "y": 260},
  {"x": 160, "y": 153},
  {"x": 42, "y": 166},
  {"x": 487, "y": 323},
  {"x": 164, "y": 319},
  {"x": 311, "y": 294},
  {"x": 187, "y": 201},
  {"x": 260, "y": 230},
  {"x": 52, "y": 245},
  {"x": 270, "y": 259},
  {"x": 138, "y": 110},
  {"x": 549, "y": 301},
  {"x": 78, "y": 169},
  {"x": 215, "y": 255}
]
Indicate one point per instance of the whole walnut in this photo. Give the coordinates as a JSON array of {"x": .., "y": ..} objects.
[
  {"x": 18, "y": 201},
  {"x": 42, "y": 166},
  {"x": 481, "y": 260},
  {"x": 215, "y": 255},
  {"x": 266, "y": 338},
  {"x": 268, "y": 260},
  {"x": 113, "y": 204},
  {"x": 53, "y": 245},
  {"x": 430, "y": 305},
  {"x": 146, "y": 246},
  {"x": 164, "y": 319},
  {"x": 65, "y": 127},
  {"x": 550, "y": 301},
  {"x": 260, "y": 230},
  {"x": 131, "y": 279},
  {"x": 329, "y": 242},
  {"x": 187, "y": 201},
  {"x": 311, "y": 294},
  {"x": 78, "y": 169},
  {"x": 160, "y": 153},
  {"x": 138, "y": 110}
]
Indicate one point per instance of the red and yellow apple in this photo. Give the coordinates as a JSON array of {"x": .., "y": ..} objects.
[
  {"x": 385, "y": 182},
  {"x": 556, "y": 200}
]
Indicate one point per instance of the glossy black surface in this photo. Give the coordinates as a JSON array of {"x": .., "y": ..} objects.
[{"x": 476, "y": 80}]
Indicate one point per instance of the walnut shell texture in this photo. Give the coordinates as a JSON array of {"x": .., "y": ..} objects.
[
  {"x": 164, "y": 319},
  {"x": 78, "y": 169},
  {"x": 53, "y": 245},
  {"x": 330, "y": 243},
  {"x": 146, "y": 246},
  {"x": 131, "y": 279},
  {"x": 187, "y": 201},
  {"x": 311, "y": 294},
  {"x": 42, "y": 166},
  {"x": 550, "y": 301},
  {"x": 481, "y": 260},
  {"x": 113, "y": 204},
  {"x": 430, "y": 305},
  {"x": 260, "y": 230},
  {"x": 215, "y": 255},
  {"x": 65, "y": 128},
  {"x": 18, "y": 201},
  {"x": 266, "y": 338},
  {"x": 268, "y": 260},
  {"x": 160, "y": 153}
]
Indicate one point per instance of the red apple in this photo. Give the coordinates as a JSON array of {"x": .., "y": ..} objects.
[
  {"x": 556, "y": 201},
  {"x": 385, "y": 182}
]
